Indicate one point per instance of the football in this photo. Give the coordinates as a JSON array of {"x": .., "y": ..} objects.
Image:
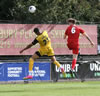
[{"x": 32, "y": 9}]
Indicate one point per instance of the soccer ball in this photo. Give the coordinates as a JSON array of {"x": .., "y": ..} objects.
[{"x": 32, "y": 9}]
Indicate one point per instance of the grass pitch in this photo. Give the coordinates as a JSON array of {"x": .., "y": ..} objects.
[{"x": 91, "y": 88}]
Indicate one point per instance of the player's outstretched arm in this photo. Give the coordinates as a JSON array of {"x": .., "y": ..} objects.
[
  {"x": 88, "y": 38},
  {"x": 27, "y": 47}
]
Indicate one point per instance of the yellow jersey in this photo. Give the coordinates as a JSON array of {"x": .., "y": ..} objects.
[
  {"x": 45, "y": 44},
  {"x": 44, "y": 39}
]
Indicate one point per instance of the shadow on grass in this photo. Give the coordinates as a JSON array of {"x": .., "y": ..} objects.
[
  {"x": 12, "y": 91},
  {"x": 76, "y": 88}
]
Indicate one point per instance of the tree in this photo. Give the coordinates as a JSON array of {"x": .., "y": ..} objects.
[
  {"x": 50, "y": 11},
  {"x": 6, "y": 7}
]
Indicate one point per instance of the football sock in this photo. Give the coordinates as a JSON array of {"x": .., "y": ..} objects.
[
  {"x": 60, "y": 67},
  {"x": 73, "y": 64},
  {"x": 31, "y": 62},
  {"x": 57, "y": 63},
  {"x": 31, "y": 73}
]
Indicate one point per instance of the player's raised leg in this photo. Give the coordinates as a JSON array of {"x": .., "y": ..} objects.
[
  {"x": 74, "y": 61},
  {"x": 58, "y": 65},
  {"x": 31, "y": 64},
  {"x": 75, "y": 55}
]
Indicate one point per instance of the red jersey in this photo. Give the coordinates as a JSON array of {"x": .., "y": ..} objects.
[{"x": 73, "y": 33}]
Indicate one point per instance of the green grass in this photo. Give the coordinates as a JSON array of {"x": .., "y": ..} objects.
[{"x": 91, "y": 88}]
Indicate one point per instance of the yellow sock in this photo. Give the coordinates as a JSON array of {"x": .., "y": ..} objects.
[
  {"x": 57, "y": 63},
  {"x": 31, "y": 62}
]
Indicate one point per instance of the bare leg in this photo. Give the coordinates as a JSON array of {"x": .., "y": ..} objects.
[{"x": 75, "y": 56}]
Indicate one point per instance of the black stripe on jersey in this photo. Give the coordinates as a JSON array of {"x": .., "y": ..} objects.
[{"x": 35, "y": 41}]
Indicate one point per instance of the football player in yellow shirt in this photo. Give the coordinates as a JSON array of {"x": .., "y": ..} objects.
[{"x": 45, "y": 49}]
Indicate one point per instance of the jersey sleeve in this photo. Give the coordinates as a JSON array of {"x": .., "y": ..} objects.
[
  {"x": 35, "y": 41},
  {"x": 66, "y": 32},
  {"x": 81, "y": 30}
]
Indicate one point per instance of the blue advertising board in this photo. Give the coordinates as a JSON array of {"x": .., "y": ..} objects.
[{"x": 16, "y": 71}]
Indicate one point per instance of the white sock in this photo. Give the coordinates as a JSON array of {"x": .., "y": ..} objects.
[
  {"x": 31, "y": 73},
  {"x": 61, "y": 66}
]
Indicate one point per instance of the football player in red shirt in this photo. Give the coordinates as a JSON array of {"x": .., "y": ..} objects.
[{"x": 73, "y": 32}]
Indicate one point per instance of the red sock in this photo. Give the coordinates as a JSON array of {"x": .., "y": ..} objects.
[{"x": 73, "y": 64}]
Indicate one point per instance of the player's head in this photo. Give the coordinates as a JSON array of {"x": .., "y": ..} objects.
[
  {"x": 71, "y": 21},
  {"x": 36, "y": 31}
]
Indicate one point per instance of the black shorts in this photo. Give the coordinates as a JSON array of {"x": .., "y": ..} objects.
[{"x": 38, "y": 53}]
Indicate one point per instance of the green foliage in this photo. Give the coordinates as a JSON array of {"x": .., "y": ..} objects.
[
  {"x": 6, "y": 9},
  {"x": 50, "y": 11}
]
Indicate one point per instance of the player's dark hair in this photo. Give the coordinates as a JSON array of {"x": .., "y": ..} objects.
[
  {"x": 36, "y": 30},
  {"x": 72, "y": 20}
]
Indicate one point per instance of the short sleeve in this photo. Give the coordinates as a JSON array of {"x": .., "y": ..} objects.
[
  {"x": 35, "y": 41},
  {"x": 66, "y": 32},
  {"x": 81, "y": 30}
]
